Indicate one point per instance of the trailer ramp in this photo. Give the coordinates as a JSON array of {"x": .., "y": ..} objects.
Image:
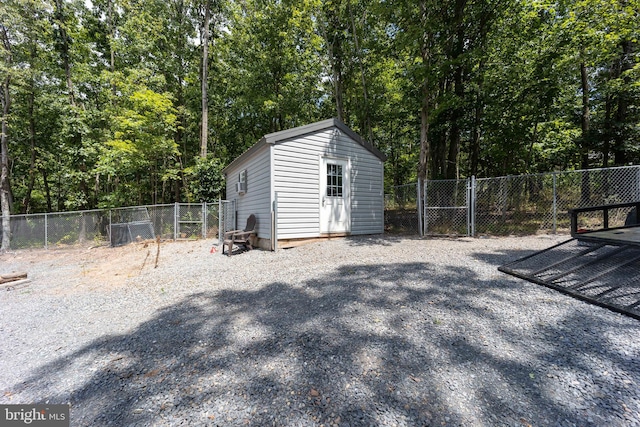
[{"x": 605, "y": 273}]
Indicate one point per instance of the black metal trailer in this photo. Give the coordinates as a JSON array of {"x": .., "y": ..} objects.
[{"x": 600, "y": 266}]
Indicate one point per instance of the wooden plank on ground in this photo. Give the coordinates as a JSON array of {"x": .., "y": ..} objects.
[
  {"x": 10, "y": 277},
  {"x": 15, "y": 284}
]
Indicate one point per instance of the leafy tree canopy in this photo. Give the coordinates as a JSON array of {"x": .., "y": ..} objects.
[{"x": 103, "y": 102}]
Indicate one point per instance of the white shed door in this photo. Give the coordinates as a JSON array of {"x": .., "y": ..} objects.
[{"x": 335, "y": 203}]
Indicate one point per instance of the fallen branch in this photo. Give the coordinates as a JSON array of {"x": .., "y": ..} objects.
[{"x": 145, "y": 260}]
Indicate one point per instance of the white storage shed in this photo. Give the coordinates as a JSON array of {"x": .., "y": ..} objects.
[{"x": 313, "y": 181}]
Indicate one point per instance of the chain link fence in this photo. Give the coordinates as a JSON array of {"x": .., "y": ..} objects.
[
  {"x": 62, "y": 229},
  {"x": 524, "y": 204},
  {"x": 116, "y": 227},
  {"x": 596, "y": 188},
  {"x": 401, "y": 210},
  {"x": 531, "y": 203},
  {"x": 227, "y": 216}
]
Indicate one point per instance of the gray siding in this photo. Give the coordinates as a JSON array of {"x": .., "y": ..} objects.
[
  {"x": 367, "y": 201},
  {"x": 257, "y": 199},
  {"x": 297, "y": 182}
]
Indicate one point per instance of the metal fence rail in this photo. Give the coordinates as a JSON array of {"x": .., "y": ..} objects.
[{"x": 178, "y": 221}]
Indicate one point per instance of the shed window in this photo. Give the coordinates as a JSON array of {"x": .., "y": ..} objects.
[
  {"x": 241, "y": 185},
  {"x": 334, "y": 180}
]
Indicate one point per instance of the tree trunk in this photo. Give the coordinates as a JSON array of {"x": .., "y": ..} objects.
[
  {"x": 47, "y": 190},
  {"x": 26, "y": 202},
  {"x": 424, "y": 137},
  {"x": 476, "y": 134},
  {"x": 5, "y": 187},
  {"x": 204, "y": 131},
  {"x": 66, "y": 64},
  {"x": 620, "y": 154},
  {"x": 425, "y": 52},
  {"x": 338, "y": 89},
  {"x": 112, "y": 51},
  {"x": 64, "y": 46},
  {"x": 586, "y": 183},
  {"x": 425, "y": 110},
  {"x": 4, "y": 165},
  {"x": 366, "y": 116},
  {"x": 607, "y": 133},
  {"x": 331, "y": 35},
  {"x": 452, "y": 164},
  {"x": 585, "y": 116}
]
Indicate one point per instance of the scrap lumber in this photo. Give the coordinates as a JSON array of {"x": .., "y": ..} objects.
[
  {"x": 16, "y": 284},
  {"x": 12, "y": 277}
]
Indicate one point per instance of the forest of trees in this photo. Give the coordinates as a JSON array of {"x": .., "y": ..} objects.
[{"x": 123, "y": 102}]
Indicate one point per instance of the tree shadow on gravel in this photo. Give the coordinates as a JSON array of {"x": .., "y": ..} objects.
[
  {"x": 499, "y": 258},
  {"x": 503, "y": 257},
  {"x": 386, "y": 240},
  {"x": 406, "y": 344}
]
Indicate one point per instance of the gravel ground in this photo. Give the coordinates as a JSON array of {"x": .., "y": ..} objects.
[{"x": 365, "y": 331}]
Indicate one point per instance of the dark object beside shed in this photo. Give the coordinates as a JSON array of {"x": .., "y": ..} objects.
[{"x": 632, "y": 218}]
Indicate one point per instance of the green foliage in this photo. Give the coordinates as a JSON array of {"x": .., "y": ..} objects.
[
  {"x": 206, "y": 179},
  {"x": 267, "y": 72},
  {"x": 106, "y": 95},
  {"x": 142, "y": 149}
]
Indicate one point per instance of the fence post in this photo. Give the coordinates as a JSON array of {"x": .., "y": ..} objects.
[
  {"x": 473, "y": 206},
  {"x": 468, "y": 203},
  {"x": 555, "y": 205},
  {"x": 425, "y": 214},
  {"x": 418, "y": 208},
  {"x": 220, "y": 217},
  {"x": 234, "y": 221},
  {"x": 176, "y": 212},
  {"x": 46, "y": 231},
  {"x": 204, "y": 220}
]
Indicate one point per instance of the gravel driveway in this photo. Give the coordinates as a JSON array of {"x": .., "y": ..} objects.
[{"x": 372, "y": 331}]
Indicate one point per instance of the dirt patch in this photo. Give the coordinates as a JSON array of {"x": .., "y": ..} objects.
[{"x": 83, "y": 269}]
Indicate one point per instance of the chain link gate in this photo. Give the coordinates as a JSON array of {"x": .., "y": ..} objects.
[
  {"x": 190, "y": 221},
  {"x": 448, "y": 207}
]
